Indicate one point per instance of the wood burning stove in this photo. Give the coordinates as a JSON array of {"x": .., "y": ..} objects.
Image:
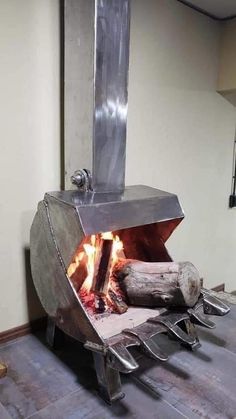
[{"x": 140, "y": 217}]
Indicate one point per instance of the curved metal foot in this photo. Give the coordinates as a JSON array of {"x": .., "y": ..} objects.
[
  {"x": 213, "y": 305},
  {"x": 171, "y": 320},
  {"x": 147, "y": 345},
  {"x": 109, "y": 384}
]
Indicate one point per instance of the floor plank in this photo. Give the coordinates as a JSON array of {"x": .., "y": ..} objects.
[
  {"x": 3, "y": 413},
  {"x": 224, "y": 335},
  {"x": 38, "y": 377},
  {"x": 60, "y": 384},
  {"x": 83, "y": 404},
  {"x": 198, "y": 383}
]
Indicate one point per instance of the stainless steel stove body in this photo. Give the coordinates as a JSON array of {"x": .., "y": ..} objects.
[{"x": 96, "y": 79}]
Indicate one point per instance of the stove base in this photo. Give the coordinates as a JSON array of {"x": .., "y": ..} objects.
[{"x": 109, "y": 383}]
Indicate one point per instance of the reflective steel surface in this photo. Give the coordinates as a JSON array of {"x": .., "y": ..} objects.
[
  {"x": 96, "y": 63},
  {"x": 78, "y": 86},
  {"x": 53, "y": 287},
  {"x": 137, "y": 205},
  {"x": 112, "y": 26}
]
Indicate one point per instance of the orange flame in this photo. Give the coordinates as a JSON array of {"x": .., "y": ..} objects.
[{"x": 89, "y": 254}]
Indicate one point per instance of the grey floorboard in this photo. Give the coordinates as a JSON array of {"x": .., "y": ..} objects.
[
  {"x": 38, "y": 377},
  {"x": 3, "y": 413},
  {"x": 82, "y": 404},
  {"x": 47, "y": 384},
  {"x": 201, "y": 383},
  {"x": 224, "y": 335}
]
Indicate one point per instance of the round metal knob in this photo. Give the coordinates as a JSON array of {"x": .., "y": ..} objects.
[{"x": 82, "y": 179}]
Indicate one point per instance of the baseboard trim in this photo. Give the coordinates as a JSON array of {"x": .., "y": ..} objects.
[
  {"x": 219, "y": 288},
  {"x": 25, "y": 329}
]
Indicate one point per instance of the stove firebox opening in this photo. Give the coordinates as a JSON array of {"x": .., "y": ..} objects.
[
  {"x": 91, "y": 273},
  {"x": 113, "y": 270}
]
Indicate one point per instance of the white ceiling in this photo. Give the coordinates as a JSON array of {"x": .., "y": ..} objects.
[{"x": 218, "y": 8}]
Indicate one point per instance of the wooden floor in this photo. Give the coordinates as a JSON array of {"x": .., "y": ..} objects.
[{"x": 60, "y": 385}]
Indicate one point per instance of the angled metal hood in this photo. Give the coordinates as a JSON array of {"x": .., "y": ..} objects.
[
  {"x": 74, "y": 214},
  {"x": 137, "y": 205}
]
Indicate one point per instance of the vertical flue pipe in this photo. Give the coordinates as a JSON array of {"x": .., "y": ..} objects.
[{"x": 96, "y": 90}]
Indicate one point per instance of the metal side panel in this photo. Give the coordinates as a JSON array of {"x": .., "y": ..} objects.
[
  {"x": 66, "y": 227},
  {"x": 52, "y": 284}
]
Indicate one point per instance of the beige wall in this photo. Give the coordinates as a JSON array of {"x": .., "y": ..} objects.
[
  {"x": 180, "y": 131},
  {"x": 227, "y": 67},
  {"x": 29, "y": 141},
  {"x": 180, "y": 134}
]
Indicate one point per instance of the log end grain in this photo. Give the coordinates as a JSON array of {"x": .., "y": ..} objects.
[
  {"x": 189, "y": 283},
  {"x": 3, "y": 370}
]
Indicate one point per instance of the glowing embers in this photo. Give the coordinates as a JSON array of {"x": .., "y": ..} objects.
[{"x": 91, "y": 274}]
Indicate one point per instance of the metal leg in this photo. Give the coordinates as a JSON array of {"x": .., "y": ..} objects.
[
  {"x": 190, "y": 329},
  {"x": 54, "y": 336},
  {"x": 108, "y": 379}
]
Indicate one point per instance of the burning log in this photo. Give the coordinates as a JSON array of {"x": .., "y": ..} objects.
[
  {"x": 102, "y": 266},
  {"x": 77, "y": 270},
  {"x": 158, "y": 283},
  {"x": 77, "y": 278}
]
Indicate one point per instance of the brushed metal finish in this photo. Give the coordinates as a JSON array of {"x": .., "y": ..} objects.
[
  {"x": 96, "y": 79},
  {"x": 213, "y": 305},
  {"x": 137, "y": 205},
  {"x": 121, "y": 359},
  {"x": 53, "y": 287},
  {"x": 66, "y": 227},
  {"x": 170, "y": 320},
  {"x": 111, "y": 95}
]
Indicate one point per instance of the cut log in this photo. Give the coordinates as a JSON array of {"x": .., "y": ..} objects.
[
  {"x": 3, "y": 370},
  {"x": 158, "y": 283},
  {"x": 78, "y": 277},
  {"x": 103, "y": 261}
]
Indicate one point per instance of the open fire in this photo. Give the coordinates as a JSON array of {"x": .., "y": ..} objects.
[
  {"x": 91, "y": 274},
  {"x": 107, "y": 282}
]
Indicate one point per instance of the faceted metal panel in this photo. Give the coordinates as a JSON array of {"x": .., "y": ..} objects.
[
  {"x": 54, "y": 289},
  {"x": 66, "y": 227},
  {"x": 137, "y": 205}
]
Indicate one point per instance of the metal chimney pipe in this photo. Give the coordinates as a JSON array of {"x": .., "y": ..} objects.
[{"x": 96, "y": 80}]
